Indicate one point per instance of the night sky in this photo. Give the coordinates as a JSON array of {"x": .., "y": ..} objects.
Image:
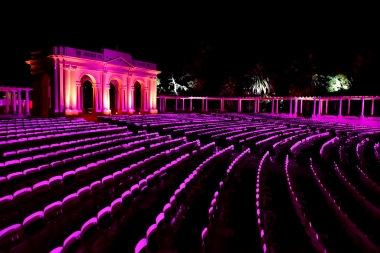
[{"x": 235, "y": 37}]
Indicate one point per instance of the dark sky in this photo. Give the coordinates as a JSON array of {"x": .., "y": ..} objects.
[{"x": 238, "y": 35}]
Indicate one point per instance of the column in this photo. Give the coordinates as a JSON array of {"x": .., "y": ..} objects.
[
  {"x": 315, "y": 105},
  {"x": 191, "y": 105},
  {"x": 123, "y": 89},
  {"x": 239, "y": 105},
  {"x": 19, "y": 102},
  {"x": 103, "y": 106},
  {"x": 362, "y": 114},
  {"x": 132, "y": 99},
  {"x": 320, "y": 101},
  {"x": 291, "y": 106},
  {"x": 373, "y": 107},
  {"x": 79, "y": 96},
  {"x": 146, "y": 99},
  {"x": 6, "y": 102},
  {"x": 100, "y": 95},
  {"x": 183, "y": 105},
  {"x": 340, "y": 108},
  {"x": 73, "y": 89},
  {"x": 14, "y": 102},
  {"x": 258, "y": 106},
  {"x": 203, "y": 105},
  {"x": 206, "y": 105},
  {"x": 272, "y": 112},
  {"x": 61, "y": 90},
  {"x": 56, "y": 85},
  {"x": 327, "y": 107},
  {"x": 67, "y": 87},
  {"x": 295, "y": 107},
  {"x": 221, "y": 105},
  {"x": 301, "y": 104},
  {"x": 348, "y": 106},
  {"x": 164, "y": 104},
  {"x": 27, "y": 109},
  {"x": 106, "y": 98},
  {"x": 277, "y": 106},
  {"x": 176, "y": 104}
]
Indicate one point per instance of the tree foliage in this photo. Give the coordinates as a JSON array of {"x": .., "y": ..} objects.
[
  {"x": 337, "y": 83},
  {"x": 259, "y": 81}
]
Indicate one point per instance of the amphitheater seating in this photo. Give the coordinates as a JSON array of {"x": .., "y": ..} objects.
[{"x": 188, "y": 182}]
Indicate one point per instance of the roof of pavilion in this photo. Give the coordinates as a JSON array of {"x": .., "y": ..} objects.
[
  {"x": 6, "y": 87},
  {"x": 122, "y": 59}
]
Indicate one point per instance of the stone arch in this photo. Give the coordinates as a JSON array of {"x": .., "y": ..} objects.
[
  {"x": 86, "y": 89},
  {"x": 115, "y": 94},
  {"x": 139, "y": 95}
]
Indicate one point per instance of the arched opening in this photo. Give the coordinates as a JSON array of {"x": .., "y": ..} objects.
[
  {"x": 112, "y": 98},
  {"x": 88, "y": 98},
  {"x": 138, "y": 97}
]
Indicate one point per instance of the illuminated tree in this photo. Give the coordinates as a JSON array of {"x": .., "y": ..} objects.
[
  {"x": 175, "y": 87},
  {"x": 160, "y": 88},
  {"x": 336, "y": 83},
  {"x": 259, "y": 82},
  {"x": 339, "y": 82}
]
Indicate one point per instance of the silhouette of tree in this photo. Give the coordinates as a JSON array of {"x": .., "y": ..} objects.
[{"x": 229, "y": 90}]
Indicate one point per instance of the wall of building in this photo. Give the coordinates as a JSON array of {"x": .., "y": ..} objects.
[{"x": 67, "y": 68}]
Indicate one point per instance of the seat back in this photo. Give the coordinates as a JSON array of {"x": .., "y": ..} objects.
[
  {"x": 141, "y": 246},
  {"x": 72, "y": 243},
  {"x": 33, "y": 223},
  {"x": 104, "y": 218}
]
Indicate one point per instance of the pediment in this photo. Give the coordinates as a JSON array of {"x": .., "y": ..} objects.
[{"x": 120, "y": 61}]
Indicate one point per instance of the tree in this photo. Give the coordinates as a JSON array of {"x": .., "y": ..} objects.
[
  {"x": 300, "y": 76},
  {"x": 160, "y": 88},
  {"x": 229, "y": 90},
  {"x": 339, "y": 82},
  {"x": 259, "y": 81},
  {"x": 176, "y": 87}
]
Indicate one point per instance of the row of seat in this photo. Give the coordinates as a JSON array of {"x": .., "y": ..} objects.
[
  {"x": 217, "y": 213},
  {"x": 67, "y": 158},
  {"x": 360, "y": 239},
  {"x": 372, "y": 210},
  {"x": 297, "y": 204},
  {"x": 132, "y": 169},
  {"x": 90, "y": 236},
  {"x": 161, "y": 234},
  {"x": 261, "y": 198},
  {"x": 295, "y": 149},
  {"x": 44, "y": 139},
  {"x": 47, "y": 191},
  {"x": 16, "y": 165},
  {"x": 56, "y": 146},
  {"x": 73, "y": 180}
]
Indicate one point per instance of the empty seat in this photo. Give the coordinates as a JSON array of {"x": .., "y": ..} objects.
[
  {"x": 34, "y": 228},
  {"x": 12, "y": 239},
  {"x": 72, "y": 243},
  {"x": 151, "y": 236},
  {"x": 89, "y": 233},
  {"x": 141, "y": 246}
]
